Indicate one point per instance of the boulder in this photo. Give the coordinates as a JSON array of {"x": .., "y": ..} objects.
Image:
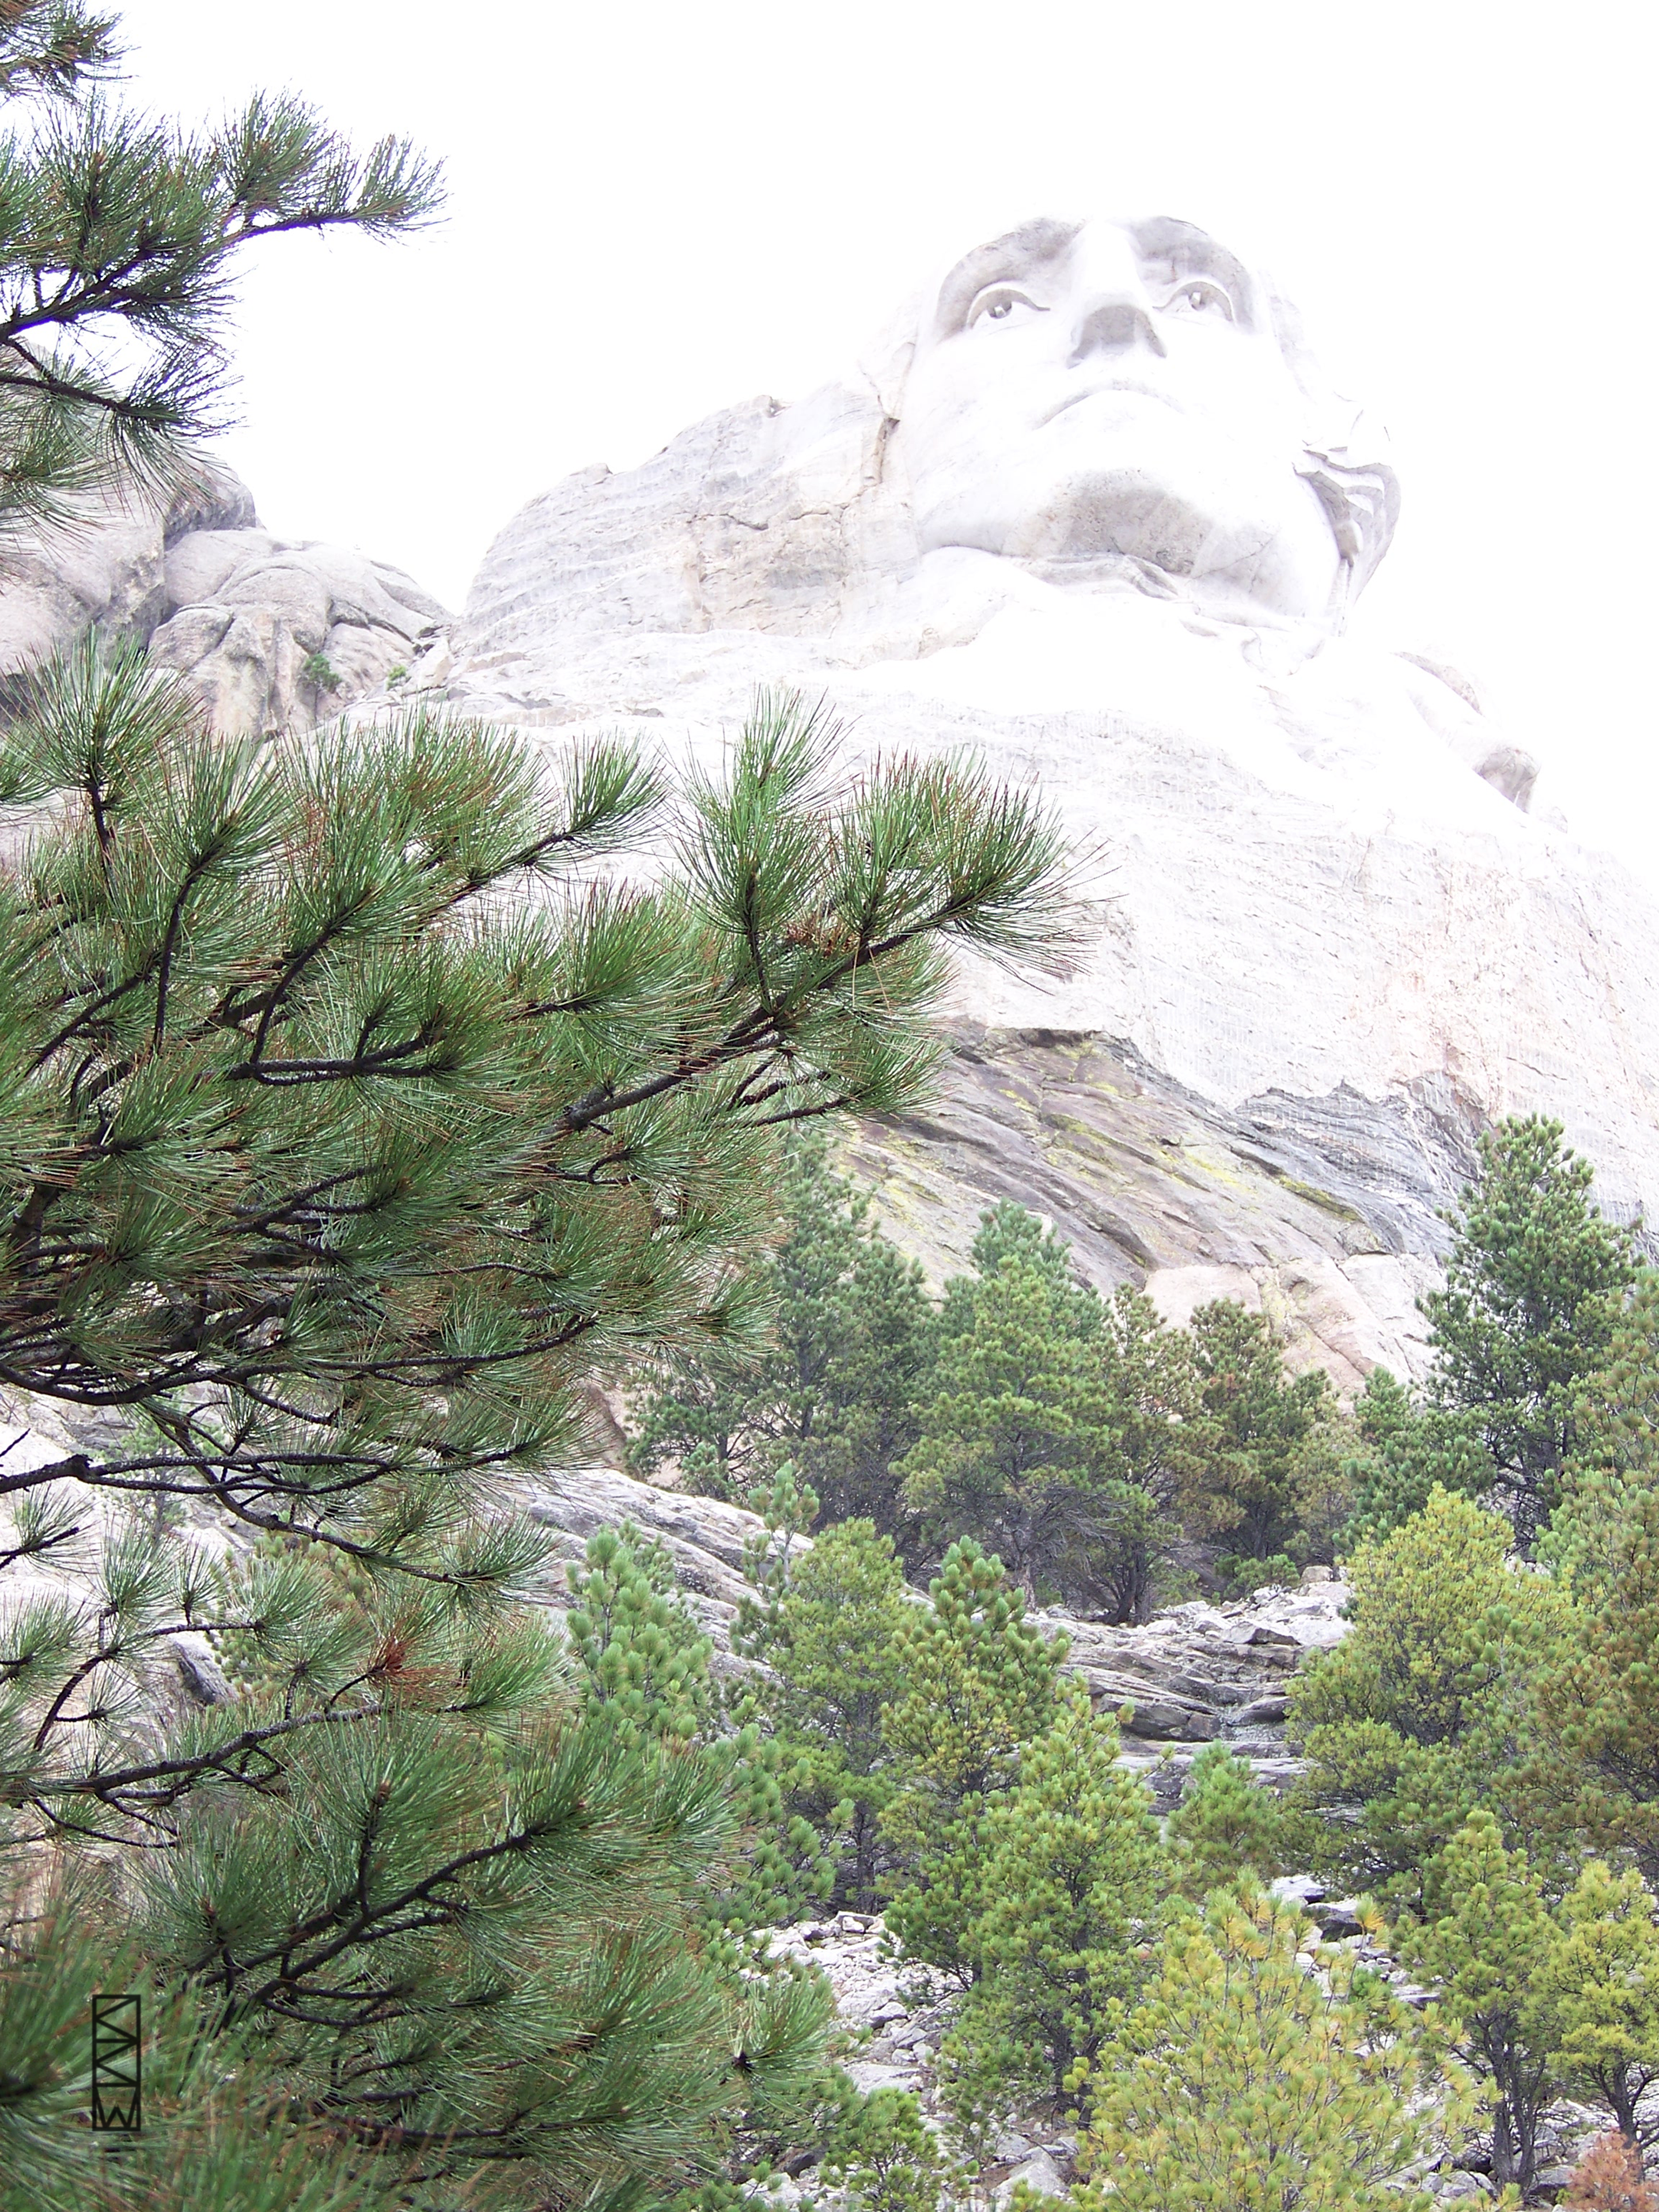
[
  {"x": 1038, "y": 2173},
  {"x": 274, "y": 633}
]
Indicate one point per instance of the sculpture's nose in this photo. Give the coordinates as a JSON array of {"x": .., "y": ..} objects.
[{"x": 1112, "y": 310}]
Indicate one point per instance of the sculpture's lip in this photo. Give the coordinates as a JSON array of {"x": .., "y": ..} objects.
[{"x": 1103, "y": 391}]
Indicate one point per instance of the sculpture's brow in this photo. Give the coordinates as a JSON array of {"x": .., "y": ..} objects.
[
  {"x": 1194, "y": 251},
  {"x": 1015, "y": 251}
]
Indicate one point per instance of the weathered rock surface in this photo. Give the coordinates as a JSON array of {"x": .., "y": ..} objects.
[
  {"x": 1337, "y": 932},
  {"x": 275, "y": 634},
  {"x": 278, "y": 634},
  {"x": 703, "y": 1536},
  {"x": 1322, "y": 1212},
  {"x": 1329, "y": 953},
  {"x": 109, "y": 573},
  {"x": 1199, "y": 1674}
]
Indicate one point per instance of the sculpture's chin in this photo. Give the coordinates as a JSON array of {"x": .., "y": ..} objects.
[
  {"x": 1277, "y": 551},
  {"x": 1121, "y": 512}
]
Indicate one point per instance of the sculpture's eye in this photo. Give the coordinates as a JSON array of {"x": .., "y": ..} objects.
[
  {"x": 1197, "y": 295},
  {"x": 1002, "y": 303}
]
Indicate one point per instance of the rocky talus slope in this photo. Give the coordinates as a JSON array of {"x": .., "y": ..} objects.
[{"x": 897, "y": 2016}]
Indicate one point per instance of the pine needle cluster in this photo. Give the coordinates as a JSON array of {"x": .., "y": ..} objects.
[
  {"x": 118, "y": 237},
  {"x": 353, "y": 1123}
]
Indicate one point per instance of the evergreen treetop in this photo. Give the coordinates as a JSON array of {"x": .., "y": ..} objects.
[
  {"x": 1075, "y": 1885},
  {"x": 832, "y": 1388},
  {"x": 979, "y": 1682},
  {"x": 1535, "y": 1282},
  {"x": 1269, "y": 1434},
  {"x": 1423, "y": 1709}
]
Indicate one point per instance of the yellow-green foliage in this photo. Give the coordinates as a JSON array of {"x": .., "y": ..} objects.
[
  {"x": 1487, "y": 1949},
  {"x": 1264, "y": 2073},
  {"x": 1227, "y": 1824},
  {"x": 1601, "y": 1988}
]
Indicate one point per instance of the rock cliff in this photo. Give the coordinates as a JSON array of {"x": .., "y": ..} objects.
[{"x": 1330, "y": 946}]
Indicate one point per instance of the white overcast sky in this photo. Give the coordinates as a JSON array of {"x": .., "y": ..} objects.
[{"x": 658, "y": 209}]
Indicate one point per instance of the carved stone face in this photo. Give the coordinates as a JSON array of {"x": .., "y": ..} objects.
[{"x": 1117, "y": 388}]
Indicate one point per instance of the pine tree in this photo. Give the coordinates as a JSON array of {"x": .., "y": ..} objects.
[
  {"x": 1057, "y": 1426},
  {"x": 1614, "y": 1462},
  {"x": 1600, "y": 1989},
  {"x": 1405, "y": 1448},
  {"x": 1226, "y": 1826},
  {"x": 1149, "y": 1494},
  {"x": 343, "y": 1133},
  {"x": 1075, "y": 1884},
  {"x": 649, "y": 1677},
  {"x": 1487, "y": 1950},
  {"x": 1264, "y": 2073},
  {"x": 1421, "y": 1713},
  {"x": 831, "y": 1389},
  {"x": 880, "y": 2155},
  {"x": 645, "y": 1658},
  {"x": 1010, "y": 1432},
  {"x": 1271, "y": 1437},
  {"x": 1593, "y": 1699},
  {"x": 119, "y": 238},
  {"x": 830, "y": 1641},
  {"x": 1535, "y": 1282},
  {"x": 333, "y": 1171},
  {"x": 980, "y": 1682}
]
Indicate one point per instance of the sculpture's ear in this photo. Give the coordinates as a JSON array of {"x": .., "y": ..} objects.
[
  {"x": 1346, "y": 459},
  {"x": 1360, "y": 493}
]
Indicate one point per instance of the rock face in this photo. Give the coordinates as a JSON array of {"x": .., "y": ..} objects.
[
  {"x": 275, "y": 634},
  {"x": 278, "y": 634},
  {"x": 1090, "y": 511},
  {"x": 1196, "y": 1673},
  {"x": 1322, "y": 1211},
  {"x": 1092, "y": 515}
]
